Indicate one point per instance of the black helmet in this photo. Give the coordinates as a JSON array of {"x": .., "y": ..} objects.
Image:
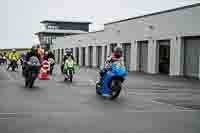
[{"x": 68, "y": 51}]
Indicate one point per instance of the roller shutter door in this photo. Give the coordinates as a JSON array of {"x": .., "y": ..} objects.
[
  {"x": 77, "y": 55},
  {"x": 105, "y": 53},
  {"x": 192, "y": 53},
  {"x": 59, "y": 52},
  {"x": 143, "y": 56},
  {"x": 90, "y": 54},
  {"x": 99, "y": 55},
  {"x": 126, "y": 54},
  {"x": 83, "y": 56}
]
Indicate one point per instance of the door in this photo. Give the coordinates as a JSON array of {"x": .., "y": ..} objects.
[
  {"x": 143, "y": 56},
  {"x": 191, "y": 59},
  {"x": 126, "y": 54},
  {"x": 90, "y": 55},
  {"x": 164, "y": 56},
  {"x": 62, "y": 55},
  {"x": 59, "y": 52},
  {"x": 77, "y": 55},
  {"x": 112, "y": 47},
  {"x": 83, "y": 56},
  {"x": 99, "y": 55},
  {"x": 105, "y": 53}
]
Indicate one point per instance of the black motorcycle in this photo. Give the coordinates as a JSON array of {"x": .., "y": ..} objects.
[{"x": 32, "y": 70}]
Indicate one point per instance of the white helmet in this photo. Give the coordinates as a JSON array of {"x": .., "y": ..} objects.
[{"x": 14, "y": 50}]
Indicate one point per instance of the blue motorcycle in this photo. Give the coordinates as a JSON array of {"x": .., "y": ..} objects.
[{"x": 112, "y": 81}]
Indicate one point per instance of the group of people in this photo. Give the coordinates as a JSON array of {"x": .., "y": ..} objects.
[{"x": 42, "y": 55}]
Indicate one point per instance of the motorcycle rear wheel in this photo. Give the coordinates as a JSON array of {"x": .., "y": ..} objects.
[{"x": 97, "y": 89}]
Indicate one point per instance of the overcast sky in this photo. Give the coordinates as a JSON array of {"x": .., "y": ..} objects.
[{"x": 21, "y": 18}]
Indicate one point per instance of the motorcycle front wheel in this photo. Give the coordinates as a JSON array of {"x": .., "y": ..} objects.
[
  {"x": 116, "y": 86},
  {"x": 70, "y": 75}
]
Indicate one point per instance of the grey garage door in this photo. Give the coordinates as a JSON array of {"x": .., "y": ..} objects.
[
  {"x": 192, "y": 53},
  {"x": 90, "y": 55},
  {"x": 83, "y": 56},
  {"x": 59, "y": 52},
  {"x": 143, "y": 56},
  {"x": 77, "y": 55},
  {"x": 62, "y": 53},
  {"x": 105, "y": 53},
  {"x": 99, "y": 55},
  {"x": 126, "y": 54}
]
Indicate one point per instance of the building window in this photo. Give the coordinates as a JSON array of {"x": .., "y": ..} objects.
[{"x": 52, "y": 27}]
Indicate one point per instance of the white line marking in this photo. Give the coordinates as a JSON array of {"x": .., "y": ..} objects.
[{"x": 92, "y": 82}]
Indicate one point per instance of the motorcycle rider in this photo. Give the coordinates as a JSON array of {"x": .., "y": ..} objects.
[
  {"x": 13, "y": 56},
  {"x": 40, "y": 51},
  {"x": 68, "y": 53},
  {"x": 51, "y": 55},
  {"x": 33, "y": 52},
  {"x": 116, "y": 56}
]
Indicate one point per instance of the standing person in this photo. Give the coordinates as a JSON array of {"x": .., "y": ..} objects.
[{"x": 51, "y": 59}]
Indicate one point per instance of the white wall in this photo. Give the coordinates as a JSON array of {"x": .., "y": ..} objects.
[
  {"x": 182, "y": 22},
  {"x": 169, "y": 25}
]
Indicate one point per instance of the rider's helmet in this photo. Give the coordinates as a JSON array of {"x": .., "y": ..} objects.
[
  {"x": 117, "y": 53},
  {"x": 38, "y": 46},
  {"x": 14, "y": 50},
  {"x": 68, "y": 51}
]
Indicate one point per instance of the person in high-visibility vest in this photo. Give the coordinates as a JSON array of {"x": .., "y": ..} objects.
[{"x": 13, "y": 56}]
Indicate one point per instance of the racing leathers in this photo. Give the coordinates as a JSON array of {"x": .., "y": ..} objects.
[
  {"x": 25, "y": 67},
  {"x": 63, "y": 62},
  {"x": 111, "y": 59}
]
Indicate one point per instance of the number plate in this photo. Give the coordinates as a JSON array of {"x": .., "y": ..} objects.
[{"x": 70, "y": 64}]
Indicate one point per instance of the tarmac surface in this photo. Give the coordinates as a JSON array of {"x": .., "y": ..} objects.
[{"x": 147, "y": 104}]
